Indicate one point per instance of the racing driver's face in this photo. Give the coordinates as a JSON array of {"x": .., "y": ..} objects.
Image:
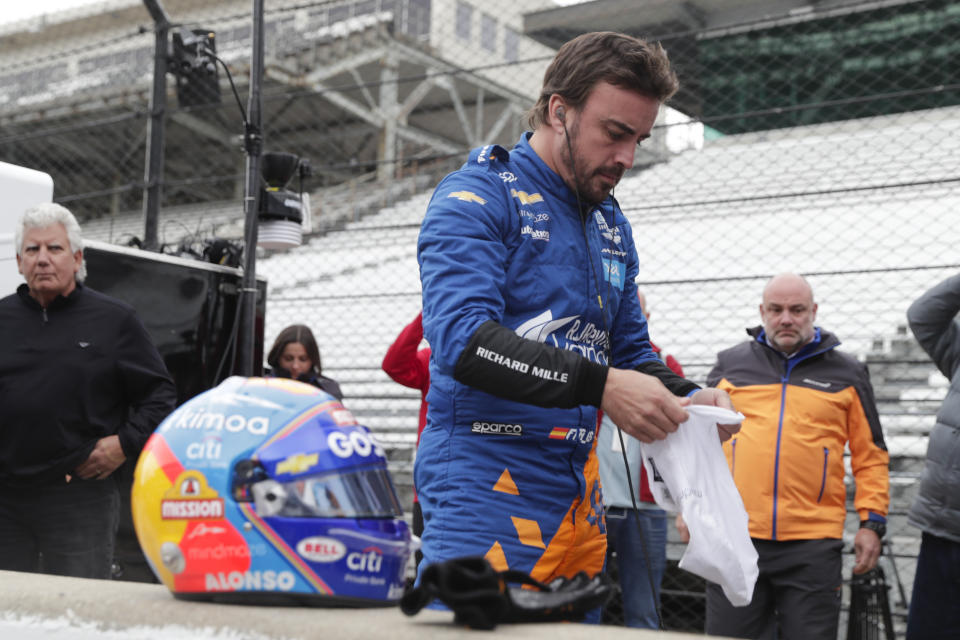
[{"x": 604, "y": 136}]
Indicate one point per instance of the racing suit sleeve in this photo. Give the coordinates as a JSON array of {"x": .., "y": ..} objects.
[
  {"x": 678, "y": 386},
  {"x": 869, "y": 460},
  {"x": 500, "y": 362},
  {"x": 463, "y": 248},
  {"x": 147, "y": 385},
  {"x": 933, "y": 320}
]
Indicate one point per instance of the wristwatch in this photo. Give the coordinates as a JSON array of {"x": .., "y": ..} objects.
[{"x": 878, "y": 527}]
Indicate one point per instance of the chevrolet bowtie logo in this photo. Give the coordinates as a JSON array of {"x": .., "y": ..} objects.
[
  {"x": 297, "y": 463},
  {"x": 467, "y": 196},
  {"x": 526, "y": 198}
]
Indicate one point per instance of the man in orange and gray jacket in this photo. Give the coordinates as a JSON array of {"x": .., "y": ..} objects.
[{"x": 804, "y": 400}]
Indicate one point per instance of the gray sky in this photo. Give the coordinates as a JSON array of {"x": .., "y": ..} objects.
[{"x": 15, "y": 10}]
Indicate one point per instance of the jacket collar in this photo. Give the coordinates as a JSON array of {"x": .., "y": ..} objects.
[
  {"x": 57, "y": 303},
  {"x": 822, "y": 341}
]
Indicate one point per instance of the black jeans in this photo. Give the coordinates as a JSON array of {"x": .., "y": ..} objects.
[
  {"x": 935, "y": 605},
  {"x": 65, "y": 529},
  {"x": 797, "y": 594}
]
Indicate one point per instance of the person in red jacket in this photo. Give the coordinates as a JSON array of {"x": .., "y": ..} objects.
[{"x": 409, "y": 365}]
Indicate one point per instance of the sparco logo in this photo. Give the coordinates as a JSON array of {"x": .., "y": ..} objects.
[{"x": 497, "y": 428}]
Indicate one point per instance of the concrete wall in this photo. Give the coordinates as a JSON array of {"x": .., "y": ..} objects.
[{"x": 33, "y": 604}]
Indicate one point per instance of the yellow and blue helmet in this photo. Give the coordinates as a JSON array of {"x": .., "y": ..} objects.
[{"x": 266, "y": 490}]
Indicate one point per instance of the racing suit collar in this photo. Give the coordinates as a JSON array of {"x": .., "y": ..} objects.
[{"x": 545, "y": 177}]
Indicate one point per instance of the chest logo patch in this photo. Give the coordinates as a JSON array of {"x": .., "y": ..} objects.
[
  {"x": 467, "y": 196},
  {"x": 526, "y": 198}
]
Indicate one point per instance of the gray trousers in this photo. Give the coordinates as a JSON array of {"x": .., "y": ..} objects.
[{"x": 797, "y": 596}]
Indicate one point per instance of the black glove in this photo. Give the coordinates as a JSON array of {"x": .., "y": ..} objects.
[{"x": 481, "y": 597}]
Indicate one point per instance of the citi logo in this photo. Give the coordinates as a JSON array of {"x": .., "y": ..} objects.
[
  {"x": 369, "y": 560},
  {"x": 209, "y": 448}
]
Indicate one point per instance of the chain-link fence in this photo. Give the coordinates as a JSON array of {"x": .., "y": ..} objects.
[{"x": 822, "y": 138}]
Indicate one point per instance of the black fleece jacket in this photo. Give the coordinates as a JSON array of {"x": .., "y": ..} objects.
[{"x": 79, "y": 370}]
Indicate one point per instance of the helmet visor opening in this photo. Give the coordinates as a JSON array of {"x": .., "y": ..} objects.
[{"x": 365, "y": 493}]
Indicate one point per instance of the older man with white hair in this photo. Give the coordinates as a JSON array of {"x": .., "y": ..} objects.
[{"x": 81, "y": 389}]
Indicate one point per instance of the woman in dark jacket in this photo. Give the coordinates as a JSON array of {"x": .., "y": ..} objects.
[{"x": 295, "y": 355}]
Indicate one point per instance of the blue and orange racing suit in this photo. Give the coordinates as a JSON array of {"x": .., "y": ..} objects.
[{"x": 526, "y": 302}]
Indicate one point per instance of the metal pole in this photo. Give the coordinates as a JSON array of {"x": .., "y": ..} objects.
[
  {"x": 153, "y": 171},
  {"x": 253, "y": 144}
]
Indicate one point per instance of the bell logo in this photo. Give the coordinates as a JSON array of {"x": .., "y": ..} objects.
[
  {"x": 320, "y": 549},
  {"x": 369, "y": 560}
]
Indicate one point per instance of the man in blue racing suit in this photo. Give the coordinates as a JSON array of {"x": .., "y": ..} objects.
[{"x": 530, "y": 306}]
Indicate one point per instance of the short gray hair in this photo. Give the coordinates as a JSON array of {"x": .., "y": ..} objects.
[{"x": 47, "y": 214}]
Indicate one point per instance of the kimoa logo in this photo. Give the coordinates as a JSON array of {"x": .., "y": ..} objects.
[{"x": 184, "y": 418}]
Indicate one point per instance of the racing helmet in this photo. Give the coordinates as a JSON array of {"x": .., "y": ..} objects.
[{"x": 267, "y": 491}]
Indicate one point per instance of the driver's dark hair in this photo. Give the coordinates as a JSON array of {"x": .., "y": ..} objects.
[{"x": 607, "y": 56}]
